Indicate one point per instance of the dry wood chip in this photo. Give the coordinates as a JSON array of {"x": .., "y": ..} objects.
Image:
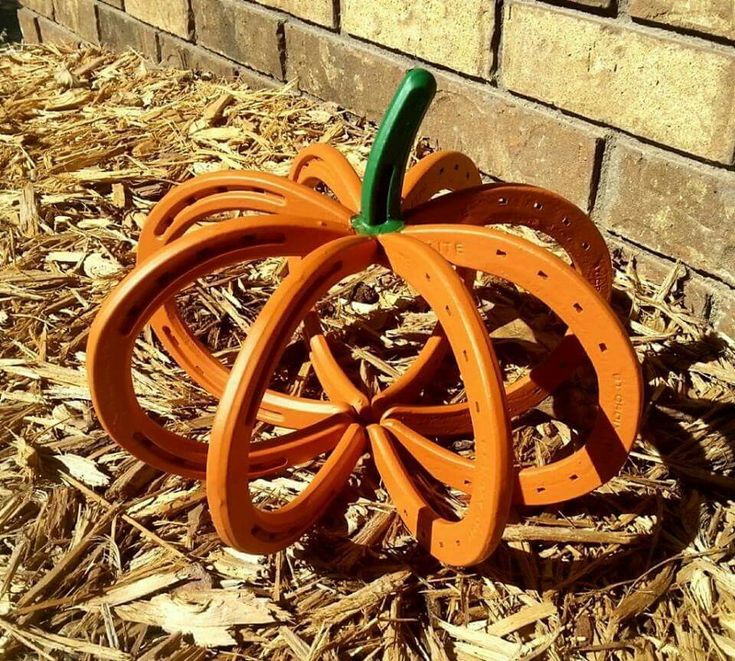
[{"x": 209, "y": 615}]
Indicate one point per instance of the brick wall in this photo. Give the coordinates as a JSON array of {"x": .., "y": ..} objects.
[{"x": 626, "y": 107}]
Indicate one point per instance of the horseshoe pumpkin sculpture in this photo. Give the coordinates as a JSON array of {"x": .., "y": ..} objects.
[{"x": 436, "y": 246}]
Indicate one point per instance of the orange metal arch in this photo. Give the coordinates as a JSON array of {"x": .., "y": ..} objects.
[
  {"x": 244, "y": 526},
  {"x": 145, "y": 289},
  {"x": 602, "y": 338}
]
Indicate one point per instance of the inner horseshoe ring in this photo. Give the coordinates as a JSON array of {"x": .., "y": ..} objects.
[
  {"x": 440, "y": 171},
  {"x": 246, "y": 527},
  {"x": 195, "y": 201},
  {"x": 179, "y": 340},
  {"x": 323, "y": 164},
  {"x": 130, "y": 305},
  {"x": 601, "y": 336},
  {"x": 511, "y": 204}
]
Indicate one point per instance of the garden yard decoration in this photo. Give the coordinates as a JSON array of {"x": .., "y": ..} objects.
[{"x": 436, "y": 246}]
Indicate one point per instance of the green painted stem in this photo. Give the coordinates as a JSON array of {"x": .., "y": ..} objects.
[{"x": 386, "y": 166}]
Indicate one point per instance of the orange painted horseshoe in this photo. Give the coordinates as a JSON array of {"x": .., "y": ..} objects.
[
  {"x": 437, "y": 172},
  {"x": 440, "y": 171},
  {"x": 266, "y": 193},
  {"x": 511, "y": 204},
  {"x": 323, "y": 164},
  {"x": 145, "y": 289},
  {"x": 243, "y": 525},
  {"x": 598, "y": 331},
  {"x": 545, "y": 212},
  {"x": 196, "y": 200},
  {"x": 179, "y": 340}
]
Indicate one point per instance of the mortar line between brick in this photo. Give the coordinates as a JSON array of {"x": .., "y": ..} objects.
[
  {"x": 287, "y": 16},
  {"x": 730, "y": 167},
  {"x": 96, "y": 14},
  {"x": 604, "y": 12},
  {"x": 600, "y": 159},
  {"x": 496, "y": 43},
  {"x": 411, "y": 58},
  {"x": 622, "y": 7},
  {"x": 282, "y": 51},
  {"x": 337, "y": 9},
  {"x": 668, "y": 258},
  {"x": 714, "y": 39},
  {"x": 191, "y": 21},
  {"x": 626, "y": 22}
]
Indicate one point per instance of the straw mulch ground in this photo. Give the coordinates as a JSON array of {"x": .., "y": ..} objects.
[{"x": 104, "y": 558}]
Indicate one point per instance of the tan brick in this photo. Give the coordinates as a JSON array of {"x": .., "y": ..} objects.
[
  {"x": 242, "y": 32},
  {"x": 671, "y": 205},
  {"x": 169, "y": 15},
  {"x": 28, "y": 26},
  {"x": 181, "y": 54},
  {"x": 316, "y": 11},
  {"x": 511, "y": 141},
  {"x": 79, "y": 16},
  {"x": 357, "y": 77},
  {"x": 454, "y": 34},
  {"x": 723, "y": 314},
  {"x": 710, "y": 16},
  {"x": 43, "y": 7},
  {"x": 508, "y": 140},
  {"x": 668, "y": 90},
  {"x": 122, "y": 32},
  {"x": 53, "y": 33}
]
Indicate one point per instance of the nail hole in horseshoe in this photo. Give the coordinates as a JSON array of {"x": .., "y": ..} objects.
[
  {"x": 502, "y": 200},
  {"x": 170, "y": 336},
  {"x": 573, "y": 477},
  {"x": 566, "y": 221},
  {"x": 541, "y": 274},
  {"x": 538, "y": 205},
  {"x": 585, "y": 245},
  {"x": 540, "y": 489},
  {"x": 456, "y": 167},
  {"x": 603, "y": 346},
  {"x": 578, "y": 307},
  {"x": 500, "y": 252},
  {"x": 448, "y": 309}
]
